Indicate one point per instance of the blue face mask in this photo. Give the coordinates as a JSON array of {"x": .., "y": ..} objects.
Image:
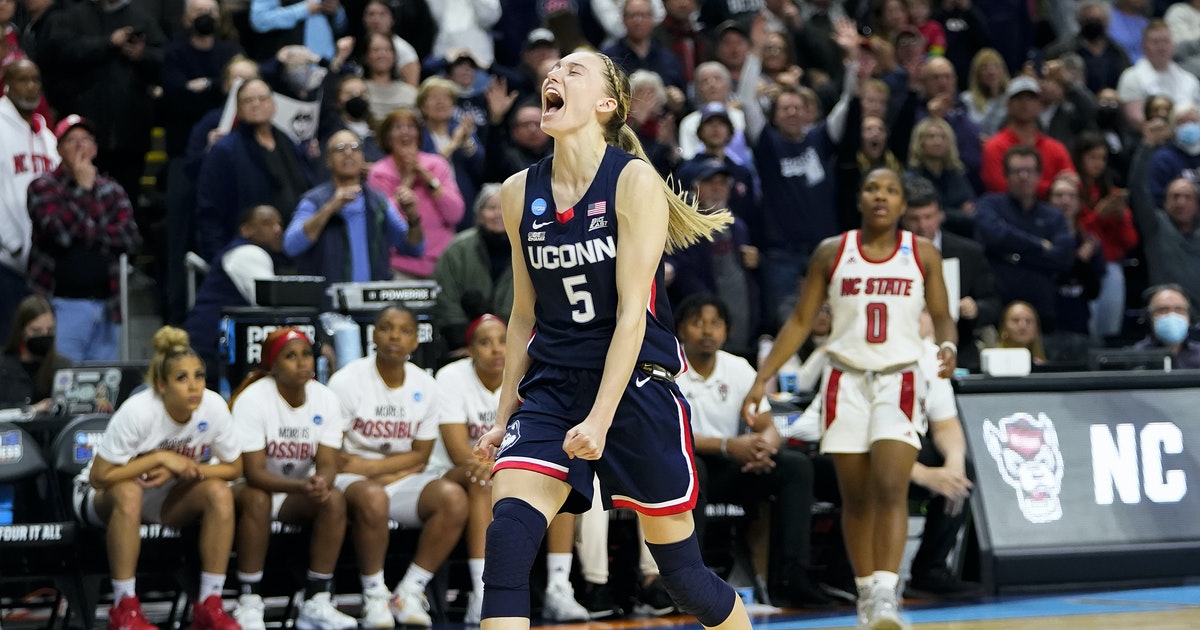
[
  {"x": 1188, "y": 134},
  {"x": 1171, "y": 328}
]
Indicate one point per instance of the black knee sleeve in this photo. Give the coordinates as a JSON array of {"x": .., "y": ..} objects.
[
  {"x": 693, "y": 586},
  {"x": 513, "y": 540}
]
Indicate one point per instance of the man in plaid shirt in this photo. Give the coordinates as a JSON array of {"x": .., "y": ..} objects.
[{"x": 82, "y": 223}]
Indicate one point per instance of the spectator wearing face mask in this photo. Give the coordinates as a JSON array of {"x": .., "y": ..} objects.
[
  {"x": 1103, "y": 59},
  {"x": 191, "y": 72},
  {"x": 1180, "y": 156},
  {"x": 352, "y": 110},
  {"x": 29, "y": 360},
  {"x": 1169, "y": 315}
]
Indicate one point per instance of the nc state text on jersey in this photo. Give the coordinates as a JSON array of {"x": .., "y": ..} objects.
[{"x": 877, "y": 286}]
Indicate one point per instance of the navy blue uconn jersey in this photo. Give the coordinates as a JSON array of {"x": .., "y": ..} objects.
[{"x": 571, "y": 257}]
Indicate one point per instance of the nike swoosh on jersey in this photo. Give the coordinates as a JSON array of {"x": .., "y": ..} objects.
[
  {"x": 642, "y": 381},
  {"x": 538, "y": 226}
]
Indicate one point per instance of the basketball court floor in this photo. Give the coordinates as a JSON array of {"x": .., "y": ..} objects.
[
  {"x": 1176, "y": 608},
  {"x": 1170, "y": 608}
]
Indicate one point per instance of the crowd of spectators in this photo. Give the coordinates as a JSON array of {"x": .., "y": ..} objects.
[
  {"x": 1051, "y": 148},
  {"x": 771, "y": 108}
]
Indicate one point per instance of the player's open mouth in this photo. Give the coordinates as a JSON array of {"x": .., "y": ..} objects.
[{"x": 552, "y": 101}]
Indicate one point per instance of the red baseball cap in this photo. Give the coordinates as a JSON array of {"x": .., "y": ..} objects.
[{"x": 70, "y": 122}]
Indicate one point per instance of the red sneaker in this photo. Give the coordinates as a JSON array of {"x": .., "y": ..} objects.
[
  {"x": 210, "y": 615},
  {"x": 127, "y": 615}
]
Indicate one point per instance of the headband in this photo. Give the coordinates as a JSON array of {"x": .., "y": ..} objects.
[
  {"x": 486, "y": 317},
  {"x": 277, "y": 346}
]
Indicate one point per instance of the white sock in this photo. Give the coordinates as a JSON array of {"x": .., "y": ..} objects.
[
  {"x": 415, "y": 579},
  {"x": 886, "y": 580},
  {"x": 249, "y": 582},
  {"x": 558, "y": 568},
  {"x": 864, "y": 584},
  {"x": 475, "y": 566},
  {"x": 123, "y": 589},
  {"x": 211, "y": 584},
  {"x": 373, "y": 582}
]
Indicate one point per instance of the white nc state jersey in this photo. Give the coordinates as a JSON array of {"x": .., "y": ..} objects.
[
  {"x": 288, "y": 435},
  {"x": 876, "y": 305}
]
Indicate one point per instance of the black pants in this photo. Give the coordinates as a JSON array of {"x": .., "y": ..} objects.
[
  {"x": 941, "y": 529},
  {"x": 789, "y": 486}
]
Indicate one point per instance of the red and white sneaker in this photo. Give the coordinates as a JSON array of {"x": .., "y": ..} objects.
[
  {"x": 127, "y": 615},
  {"x": 210, "y": 615}
]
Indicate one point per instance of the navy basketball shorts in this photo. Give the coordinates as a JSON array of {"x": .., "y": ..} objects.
[{"x": 647, "y": 464}]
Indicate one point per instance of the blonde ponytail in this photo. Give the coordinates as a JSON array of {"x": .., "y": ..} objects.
[{"x": 686, "y": 225}]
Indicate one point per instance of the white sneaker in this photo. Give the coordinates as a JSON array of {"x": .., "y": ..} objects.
[
  {"x": 883, "y": 611},
  {"x": 410, "y": 609},
  {"x": 474, "y": 610},
  {"x": 249, "y": 612},
  {"x": 864, "y": 609},
  {"x": 375, "y": 610},
  {"x": 319, "y": 613},
  {"x": 560, "y": 604}
]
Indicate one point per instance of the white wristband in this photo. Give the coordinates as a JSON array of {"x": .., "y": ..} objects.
[
  {"x": 724, "y": 445},
  {"x": 949, "y": 345}
]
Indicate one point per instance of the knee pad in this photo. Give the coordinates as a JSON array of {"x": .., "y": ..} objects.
[
  {"x": 513, "y": 540},
  {"x": 693, "y": 586}
]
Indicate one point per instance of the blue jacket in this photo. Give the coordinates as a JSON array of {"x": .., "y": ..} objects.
[
  {"x": 329, "y": 255},
  {"x": 1012, "y": 239}
]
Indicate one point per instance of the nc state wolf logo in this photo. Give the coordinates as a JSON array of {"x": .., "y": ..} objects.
[
  {"x": 510, "y": 436},
  {"x": 1028, "y": 457}
]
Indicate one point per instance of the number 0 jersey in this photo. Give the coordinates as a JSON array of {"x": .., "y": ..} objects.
[
  {"x": 876, "y": 305},
  {"x": 571, "y": 257}
]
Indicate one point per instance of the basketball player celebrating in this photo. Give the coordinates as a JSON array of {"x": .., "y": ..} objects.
[
  {"x": 877, "y": 280},
  {"x": 290, "y": 429},
  {"x": 591, "y": 353},
  {"x": 156, "y": 465}
]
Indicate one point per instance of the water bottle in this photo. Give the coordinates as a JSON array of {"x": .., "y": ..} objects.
[
  {"x": 6, "y": 504},
  {"x": 347, "y": 342},
  {"x": 323, "y": 370}
]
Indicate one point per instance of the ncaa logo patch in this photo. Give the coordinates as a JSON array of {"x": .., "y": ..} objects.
[
  {"x": 317, "y": 420},
  {"x": 416, "y": 396},
  {"x": 538, "y": 207},
  {"x": 203, "y": 426}
]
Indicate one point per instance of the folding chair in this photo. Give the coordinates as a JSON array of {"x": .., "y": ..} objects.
[
  {"x": 36, "y": 549},
  {"x": 167, "y": 556}
]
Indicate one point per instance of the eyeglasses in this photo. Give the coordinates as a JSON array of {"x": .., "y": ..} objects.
[{"x": 344, "y": 147}]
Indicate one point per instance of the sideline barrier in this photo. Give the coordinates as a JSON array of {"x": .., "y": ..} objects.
[{"x": 1084, "y": 478}]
